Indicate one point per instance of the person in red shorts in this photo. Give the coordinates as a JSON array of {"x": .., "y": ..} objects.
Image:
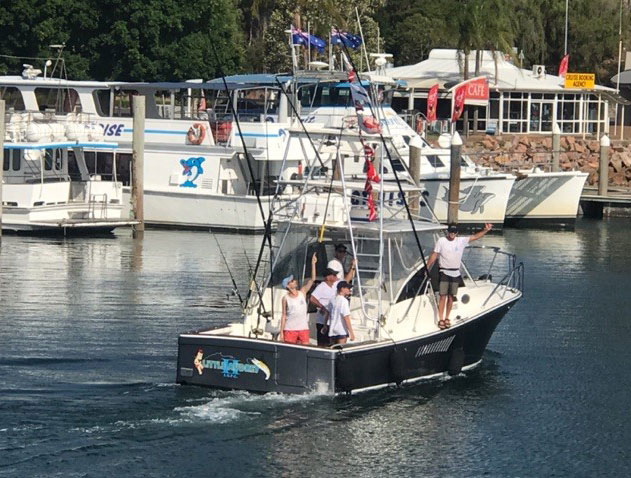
[{"x": 294, "y": 321}]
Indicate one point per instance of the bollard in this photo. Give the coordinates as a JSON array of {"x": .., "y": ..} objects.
[
  {"x": 603, "y": 169},
  {"x": 415, "y": 172},
  {"x": 138, "y": 159},
  {"x": 454, "y": 179},
  {"x": 556, "y": 147},
  {"x": 2, "y": 157}
]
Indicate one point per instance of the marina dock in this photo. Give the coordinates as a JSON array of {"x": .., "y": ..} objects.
[{"x": 616, "y": 203}]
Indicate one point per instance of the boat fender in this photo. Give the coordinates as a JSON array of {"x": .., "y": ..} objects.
[
  {"x": 397, "y": 364},
  {"x": 456, "y": 361},
  {"x": 196, "y": 133}
]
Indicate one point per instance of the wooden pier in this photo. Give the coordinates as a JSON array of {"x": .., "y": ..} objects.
[{"x": 616, "y": 203}]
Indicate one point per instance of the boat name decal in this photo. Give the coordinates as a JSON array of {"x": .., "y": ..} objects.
[
  {"x": 188, "y": 165},
  {"x": 436, "y": 347},
  {"x": 472, "y": 199},
  {"x": 229, "y": 366},
  {"x": 114, "y": 129}
]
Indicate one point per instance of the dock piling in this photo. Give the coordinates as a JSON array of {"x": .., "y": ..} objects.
[
  {"x": 138, "y": 159},
  {"x": 1, "y": 168},
  {"x": 454, "y": 179},
  {"x": 556, "y": 147},
  {"x": 603, "y": 169},
  {"x": 415, "y": 171}
]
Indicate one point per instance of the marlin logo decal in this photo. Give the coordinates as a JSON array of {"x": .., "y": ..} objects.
[
  {"x": 472, "y": 199},
  {"x": 188, "y": 165},
  {"x": 262, "y": 367}
]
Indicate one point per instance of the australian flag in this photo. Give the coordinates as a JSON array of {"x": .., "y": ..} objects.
[
  {"x": 344, "y": 38},
  {"x": 298, "y": 37}
]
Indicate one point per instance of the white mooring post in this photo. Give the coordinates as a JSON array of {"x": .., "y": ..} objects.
[
  {"x": 138, "y": 160},
  {"x": 603, "y": 169},
  {"x": 454, "y": 179},
  {"x": 556, "y": 147}
]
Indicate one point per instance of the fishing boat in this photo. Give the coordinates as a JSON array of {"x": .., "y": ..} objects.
[
  {"x": 393, "y": 307},
  {"x": 49, "y": 187}
]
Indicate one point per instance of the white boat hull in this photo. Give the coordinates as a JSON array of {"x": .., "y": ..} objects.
[{"x": 545, "y": 198}]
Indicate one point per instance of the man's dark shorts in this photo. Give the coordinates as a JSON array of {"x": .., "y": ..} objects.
[
  {"x": 323, "y": 339},
  {"x": 448, "y": 285}
]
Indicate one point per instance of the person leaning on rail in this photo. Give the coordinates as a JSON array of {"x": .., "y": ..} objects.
[{"x": 448, "y": 250}]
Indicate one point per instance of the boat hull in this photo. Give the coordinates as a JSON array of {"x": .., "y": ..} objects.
[
  {"x": 545, "y": 199},
  {"x": 241, "y": 363}
]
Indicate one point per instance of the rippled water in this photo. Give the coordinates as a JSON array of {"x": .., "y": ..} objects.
[{"x": 88, "y": 341}]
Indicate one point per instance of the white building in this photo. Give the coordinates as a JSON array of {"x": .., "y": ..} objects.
[{"x": 521, "y": 101}]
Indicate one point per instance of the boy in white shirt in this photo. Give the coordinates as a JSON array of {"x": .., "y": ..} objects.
[{"x": 339, "y": 319}]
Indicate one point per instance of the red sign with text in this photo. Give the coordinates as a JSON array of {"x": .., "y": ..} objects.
[{"x": 476, "y": 92}]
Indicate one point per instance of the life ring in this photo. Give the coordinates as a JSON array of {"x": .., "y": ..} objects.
[{"x": 196, "y": 133}]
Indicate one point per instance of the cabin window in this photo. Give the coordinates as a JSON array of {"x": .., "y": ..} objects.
[
  {"x": 17, "y": 160},
  {"x": 123, "y": 103},
  {"x": 435, "y": 161},
  {"x": 123, "y": 168},
  {"x": 100, "y": 163},
  {"x": 6, "y": 161},
  {"x": 73, "y": 167},
  {"x": 62, "y": 100},
  {"x": 102, "y": 102},
  {"x": 13, "y": 98}
]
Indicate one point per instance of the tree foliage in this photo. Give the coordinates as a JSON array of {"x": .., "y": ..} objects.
[{"x": 158, "y": 40}]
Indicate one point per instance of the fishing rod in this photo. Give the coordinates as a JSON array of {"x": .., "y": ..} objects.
[
  {"x": 394, "y": 170},
  {"x": 235, "y": 289}
]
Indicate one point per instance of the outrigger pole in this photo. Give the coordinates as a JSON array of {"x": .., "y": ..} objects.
[
  {"x": 394, "y": 170},
  {"x": 268, "y": 221}
]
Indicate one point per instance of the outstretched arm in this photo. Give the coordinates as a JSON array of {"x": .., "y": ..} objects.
[
  {"x": 351, "y": 272},
  {"x": 478, "y": 235},
  {"x": 307, "y": 285}
]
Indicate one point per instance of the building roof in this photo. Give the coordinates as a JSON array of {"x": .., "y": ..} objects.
[{"x": 446, "y": 67}]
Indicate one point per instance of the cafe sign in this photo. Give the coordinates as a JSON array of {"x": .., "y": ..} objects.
[{"x": 584, "y": 81}]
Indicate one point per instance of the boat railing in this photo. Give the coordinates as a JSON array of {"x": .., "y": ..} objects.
[
  {"x": 94, "y": 202},
  {"x": 512, "y": 279}
]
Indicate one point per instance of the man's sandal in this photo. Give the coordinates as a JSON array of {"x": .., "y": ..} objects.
[{"x": 442, "y": 324}]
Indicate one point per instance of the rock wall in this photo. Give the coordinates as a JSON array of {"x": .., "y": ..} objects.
[{"x": 515, "y": 152}]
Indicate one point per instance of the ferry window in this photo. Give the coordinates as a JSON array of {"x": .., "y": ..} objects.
[
  {"x": 16, "y": 162},
  {"x": 6, "y": 161},
  {"x": 102, "y": 102},
  {"x": 435, "y": 161},
  {"x": 122, "y": 103},
  {"x": 12, "y": 97},
  {"x": 62, "y": 100},
  {"x": 73, "y": 167},
  {"x": 123, "y": 168},
  {"x": 105, "y": 165},
  {"x": 90, "y": 161}
]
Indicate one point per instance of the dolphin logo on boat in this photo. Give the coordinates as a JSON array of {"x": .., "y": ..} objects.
[
  {"x": 188, "y": 165},
  {"x": 472, "y": 199},
  {"x": 262, "y": 367}
]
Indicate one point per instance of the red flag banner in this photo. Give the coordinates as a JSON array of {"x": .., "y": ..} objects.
[
  {"x": 563, "y": 65},
  {"x": 432, "y": 101},
  {"x": 458, "y": 101}
]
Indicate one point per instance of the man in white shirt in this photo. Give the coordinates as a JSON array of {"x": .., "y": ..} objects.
[
  {"x": 337, "y": 263},
  {"x": 323, "y": 294},
  {"x": 339, "y": 324},
  {"x": 448, "y": 251}
]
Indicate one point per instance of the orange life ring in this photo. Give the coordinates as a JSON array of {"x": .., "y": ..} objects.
[{"x": 196, "y": 133}]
